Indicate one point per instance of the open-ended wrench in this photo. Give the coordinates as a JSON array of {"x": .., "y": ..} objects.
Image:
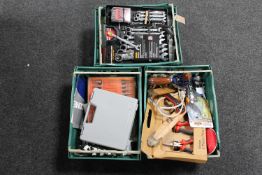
[{"x": 123, "y": 40}]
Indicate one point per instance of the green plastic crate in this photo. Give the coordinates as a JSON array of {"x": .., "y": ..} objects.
[
  {"x": 104, "y": 71},
  {"x": 97, "y": 48},
  {"x": 209, "y": 89}
]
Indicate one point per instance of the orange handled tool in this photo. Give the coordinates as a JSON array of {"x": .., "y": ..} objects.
[
  {"x": 178, "y": 79},
  {"x": 179, "y": 125},
  {"x": 159, "y": 80},
  {"x": 182, "y": 145}
]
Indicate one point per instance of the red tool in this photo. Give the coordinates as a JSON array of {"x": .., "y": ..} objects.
[
  {"x": 179, "y": 125},
  {"x": 173, "y": 100},
  {"x": 109, "y": 33},
  {"x": 182, "y": 145}
]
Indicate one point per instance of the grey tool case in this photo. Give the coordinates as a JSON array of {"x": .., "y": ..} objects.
[{"x": 113, "y": 120}]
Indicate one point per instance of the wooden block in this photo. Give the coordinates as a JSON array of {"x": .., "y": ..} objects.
[{"x": 165, "y": 152}]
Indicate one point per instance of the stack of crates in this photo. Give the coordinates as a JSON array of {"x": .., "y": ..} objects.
[{"x": 141, "y": 71}]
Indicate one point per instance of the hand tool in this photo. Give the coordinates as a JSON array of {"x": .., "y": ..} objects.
[
  {"x": 179, "y": 125},
  {"x": 161, "y": 40},
  {"x": 112, "y": 84},
  {"x": 163, "y": 129},
  {"x": 163, "y": 45},
  {"x": 199, "y": 85},
  {"x": 173, "y": 100},
  {"x": 161, "y": 36},
  {"x": 129, "y": 37},
  {"x": 129, "y": 29},
  {"x": 125, "y": 47},
  {"x": 177, "y": 106},
  {"x": 164, "y": 56},
  {"x": 180, "y": 80},
  {"x": 125, "y": 56},
  {"x": 160, "y": 80},
  {"x": 142, "y": 33},
  {"x": 182, "y": 145},
  {"x": 163, "y": 50},
  {"x": 111, "y": 34},
  {"x": 151, "y": 12},
  {"x": 151, "y": 15},
  {"x": 191, "y": 94},
  {"x": 171, "y": 48},
  {"x": 163, "y": 16},
  {"x": 138, "y": 19},
  {"x": 158, "y": 19},
  {"x": 162, "y": 19},
  {"x": 147, "y": 33},
  {"x": 168, "y": 124}
]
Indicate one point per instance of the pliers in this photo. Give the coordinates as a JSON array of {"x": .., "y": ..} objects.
[
  {"x": 182, "y": 145},
  {"x": 179, "y": 125}
]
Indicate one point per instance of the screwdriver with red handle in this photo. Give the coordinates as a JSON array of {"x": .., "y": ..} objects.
[{"x": 179, "y": 128}]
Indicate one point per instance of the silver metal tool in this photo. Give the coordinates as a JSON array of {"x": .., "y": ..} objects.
[
  {"x": 150, "y": 19},
  {"x": 129, "y": 29},
  {"x": 125, "y": 41},
  {"x": 157, "y": 19},
  {"x": 158, "y": 16},
  {"x": 139, "y": 19},
  {"x": 129, "y": 37},
  {"x": 125, "y": 47},
  {"x": 161, "y": 36},
  {"x": 139, "y": 15},
  {"x": 163, "y": 45},
  {"x": 163, "y": 50},
  {"x": 128, "y": 55},
  {"x": 181, "y": 145},
  {"x": 161, "y": 41},
  {"x": 163, "y": 55},
  {"x": 142, "y": 33},
  {"x": 151, "y": 15},
  {"x": 171, "y": 48},
  {"x": 152, "y": 12}
]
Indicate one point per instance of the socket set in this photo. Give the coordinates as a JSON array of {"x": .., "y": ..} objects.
[{"x": 137, "y": 35}]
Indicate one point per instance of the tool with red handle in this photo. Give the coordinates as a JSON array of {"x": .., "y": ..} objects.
[
  {"x": 182, "y": 145},
  {"x": 179, "y": 128},
  {"x": 181, "y": 79}
]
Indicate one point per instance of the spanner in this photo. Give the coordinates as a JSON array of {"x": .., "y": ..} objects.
[
  {"x": 123, "y": 40},
  {"x": 152, "y": 12},
  {"x": 142, "y": 29},
  {"x": 151, "y": 16}
]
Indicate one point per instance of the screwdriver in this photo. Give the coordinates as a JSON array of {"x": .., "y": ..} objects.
[{"x": 179, "y": 79}]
